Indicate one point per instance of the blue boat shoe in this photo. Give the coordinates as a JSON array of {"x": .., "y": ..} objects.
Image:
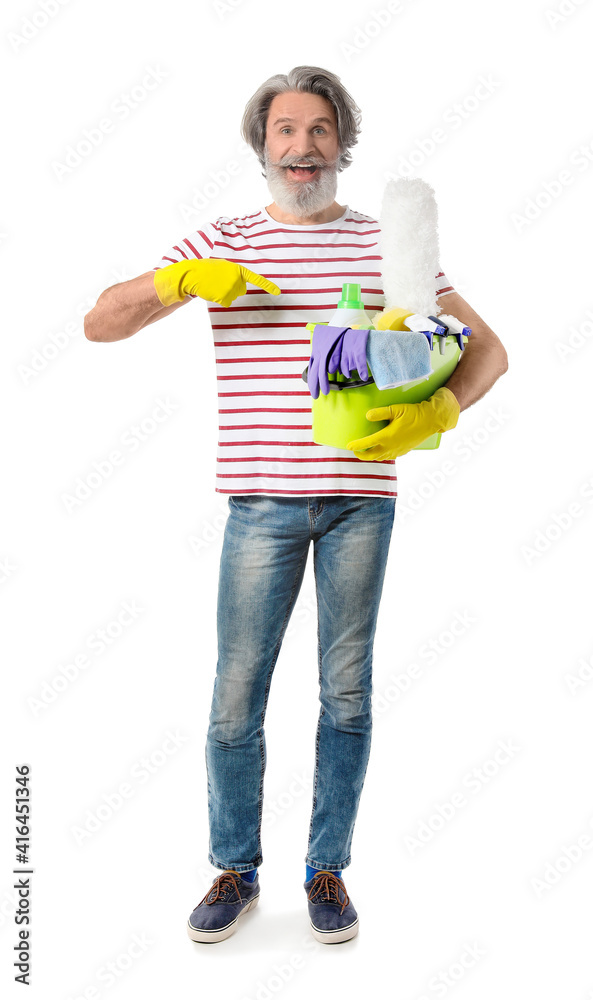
[
  {"x": 216, "y": 915},
  {"x": 333, "y": 917}
]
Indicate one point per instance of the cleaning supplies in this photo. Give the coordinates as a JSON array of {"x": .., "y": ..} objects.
[
  {"x": 350, "y": 309},
  {"x": 336, "y": 349},
  {"x": 409, "y": 248},
  {"x": 397, "y": 356},
  {"x": 353, "y": 357},
  {"x": 422, "y": 324},
  {"x": 391, "y": 319},
  {"x": 408, "y": 427},
  {"x": 339, "y": 416},
  {"x": 326, "y": 348},
  {"x": 409, "y": 245},
  {"x": 454, "y": 325}
]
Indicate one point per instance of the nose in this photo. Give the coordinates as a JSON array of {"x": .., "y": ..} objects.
[
  {"x": 303, "y": 151},
  {"x": 302, "y": 145}
]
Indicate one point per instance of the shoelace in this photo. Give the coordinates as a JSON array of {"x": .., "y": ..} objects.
[
  {"x": 327, "y": 885},
  {"x": 224, "y": 886}
]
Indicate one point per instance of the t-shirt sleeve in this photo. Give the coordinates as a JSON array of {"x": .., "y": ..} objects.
[
  {"x": 443, "y": 285},
  {"x": 202, "y": 243}
]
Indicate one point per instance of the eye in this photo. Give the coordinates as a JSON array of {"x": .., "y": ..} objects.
[{"x": 318, "y": 128}]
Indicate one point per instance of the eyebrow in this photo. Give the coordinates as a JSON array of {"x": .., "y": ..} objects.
[{"x": 321, "y": 119}]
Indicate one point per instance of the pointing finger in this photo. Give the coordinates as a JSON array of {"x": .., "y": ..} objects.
[{"x": 258, "y": 279}]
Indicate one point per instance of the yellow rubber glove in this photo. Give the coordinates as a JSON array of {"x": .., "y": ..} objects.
[
  {"x": 211, "y": 278},
  {"x": 410, "y": 424}
]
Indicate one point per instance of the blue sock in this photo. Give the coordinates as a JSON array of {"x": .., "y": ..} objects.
[
  {"x": 312, "y": 872},
  {"x": 250, "y": 875}
]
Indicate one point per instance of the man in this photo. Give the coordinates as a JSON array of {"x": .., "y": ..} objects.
[{"x": 283, "y": 490}]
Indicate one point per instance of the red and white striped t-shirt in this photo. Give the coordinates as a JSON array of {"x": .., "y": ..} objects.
[{"x": 261, "y": 345}]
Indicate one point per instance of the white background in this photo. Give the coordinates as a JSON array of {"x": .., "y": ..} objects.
[{"x": 512, "y": 474}]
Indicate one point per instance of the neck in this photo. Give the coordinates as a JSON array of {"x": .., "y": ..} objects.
[{"x": 329, "y": 214}]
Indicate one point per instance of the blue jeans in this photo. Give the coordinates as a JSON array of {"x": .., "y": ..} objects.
[{"x": 264, "y": 553}]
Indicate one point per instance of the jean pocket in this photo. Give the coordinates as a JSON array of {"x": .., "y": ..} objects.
[{"x": 239, "y": 500}]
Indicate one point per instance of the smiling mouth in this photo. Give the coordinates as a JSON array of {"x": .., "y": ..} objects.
[{"x": 303, "y": 171}]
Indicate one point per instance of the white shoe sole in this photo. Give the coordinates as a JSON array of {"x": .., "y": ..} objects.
[
  {"x": 335, "y": 937},
  {"x": 209, "y": 937}
]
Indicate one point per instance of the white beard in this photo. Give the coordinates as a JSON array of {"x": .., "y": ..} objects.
[{"x": 304, "y": 198}]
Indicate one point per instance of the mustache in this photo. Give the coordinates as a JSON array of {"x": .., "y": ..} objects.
[{"x": 307, "y": 160}]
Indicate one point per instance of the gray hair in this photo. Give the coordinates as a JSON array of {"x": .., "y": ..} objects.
[{"x": 309, "y": 80}]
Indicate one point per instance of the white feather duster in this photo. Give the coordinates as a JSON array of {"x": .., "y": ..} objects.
[{"x": 409, "y": 245}]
